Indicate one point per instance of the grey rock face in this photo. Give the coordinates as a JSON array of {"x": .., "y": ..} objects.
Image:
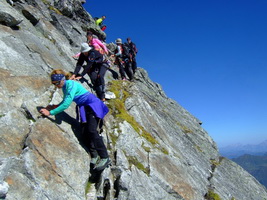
[
  {"x": 8, "y": 19},
  {"x": 3, "y": 189},
  {"x": 158, "y": 149}
]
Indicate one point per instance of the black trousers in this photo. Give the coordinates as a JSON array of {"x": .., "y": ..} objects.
[
  {"x": 92, "y": 139},
  {"x": 119, "y": 63},
  {"x": 97, "y": 78},
  {"x": 128, "y": 69},
  {"x": 134, "y": 64}
]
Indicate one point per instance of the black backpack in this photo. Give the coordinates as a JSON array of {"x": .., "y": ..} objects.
[{"x": 125, "y": 50}]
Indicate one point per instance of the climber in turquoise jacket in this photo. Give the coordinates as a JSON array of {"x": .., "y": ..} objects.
[
  {"x": 74, "y": 91},
  {"x": 95, "y": 110}
]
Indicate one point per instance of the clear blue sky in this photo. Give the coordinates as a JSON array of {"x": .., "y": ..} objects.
[{"x": 210, "y": 56}]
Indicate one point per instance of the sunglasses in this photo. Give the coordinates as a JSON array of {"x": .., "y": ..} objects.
[{"x": 56, "y": 82}]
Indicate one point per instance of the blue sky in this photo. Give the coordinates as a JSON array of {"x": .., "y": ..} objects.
[{"x": 210, "y": 56}]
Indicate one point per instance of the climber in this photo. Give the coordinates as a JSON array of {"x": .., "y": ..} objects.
[
  {"x": 96, "y": 68},
  {"x": 127, "y": 59},
  {"x": 133, "y": 52},
  {"x": 96, "y": 43},
  {"x": 122, "y": 59},
  {"x": 118, "y": 58},
  {"x": 99, "y": 22},
  {"x": 93, "y": 41},
  {"x": 95, "y": 110}
]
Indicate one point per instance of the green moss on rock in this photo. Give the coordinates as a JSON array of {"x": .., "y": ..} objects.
[{"x": 211, "y": 195}]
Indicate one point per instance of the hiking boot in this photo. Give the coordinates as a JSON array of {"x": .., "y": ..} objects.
[
  {"x": 94, "y": 161},
  {"x": 102, "y": 164}
]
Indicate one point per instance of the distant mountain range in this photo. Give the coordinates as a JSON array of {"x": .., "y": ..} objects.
[
  {"x": 255, "y": 165},
  {"x": 253, "y": 158},
  {"x": 234, "y": 151}
]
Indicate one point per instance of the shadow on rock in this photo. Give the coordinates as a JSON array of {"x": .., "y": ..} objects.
[
  {"x": 115, "y": 75},
  {"x": 75, "y": 125}
]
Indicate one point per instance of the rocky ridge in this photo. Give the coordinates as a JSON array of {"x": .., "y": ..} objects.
[{"x": 158, "y": 149}]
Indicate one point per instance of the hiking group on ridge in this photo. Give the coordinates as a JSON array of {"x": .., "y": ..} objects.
[
  {"x": 125, "y": 58},
  {"x": 98, "y": 59},
  {"x": 91, "y": 108}
]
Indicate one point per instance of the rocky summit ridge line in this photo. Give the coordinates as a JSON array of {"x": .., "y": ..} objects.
[{"x": 158, "y": 149}]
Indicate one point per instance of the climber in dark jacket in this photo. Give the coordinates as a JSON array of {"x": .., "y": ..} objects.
[
  {"x": 133, "y": 52},
  {"x": 95, "y": 67}
]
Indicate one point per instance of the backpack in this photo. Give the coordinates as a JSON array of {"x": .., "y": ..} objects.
[
  {"x": 133, "y": 48},
  {"x": 125, "y": 50}
]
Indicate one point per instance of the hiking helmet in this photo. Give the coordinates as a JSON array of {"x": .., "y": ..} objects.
[
  {"x": 118, "y": 41},
  {"x": 85, "y": 47}
]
